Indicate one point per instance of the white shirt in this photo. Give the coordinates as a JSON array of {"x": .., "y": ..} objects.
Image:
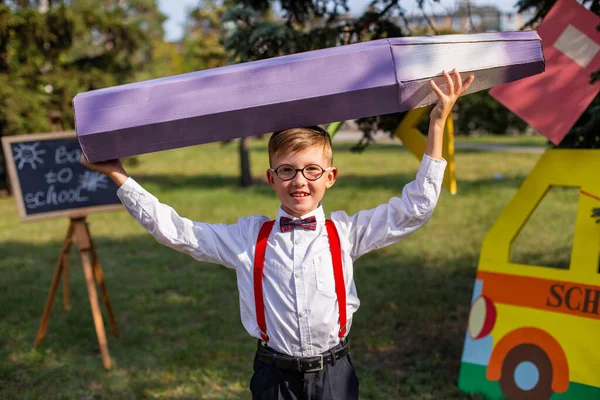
[{"x": 301, "y": 309}]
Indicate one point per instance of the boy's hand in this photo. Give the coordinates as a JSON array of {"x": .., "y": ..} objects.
[
  {"x": 446, "y": 101},
  {"x": 111, "y": 168}
]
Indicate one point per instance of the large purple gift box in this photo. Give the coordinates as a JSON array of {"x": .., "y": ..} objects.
[{"x": 347, "y": 82}]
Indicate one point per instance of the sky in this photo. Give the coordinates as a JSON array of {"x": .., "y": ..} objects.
[{"x": 175, "y": 10}]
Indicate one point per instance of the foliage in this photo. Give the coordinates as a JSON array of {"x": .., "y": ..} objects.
[
  {"x": 70, "y": 48},
  {"x": 204, "y": 48},
  {"x": 305, "y": 25},
  {"x": 481, "y": 112},
  {"x": 203, "y": 37},
  {"x": 585, "y": 134},
  {"x": 52, "y": 50},
  {"x": 166, "y": 60}
]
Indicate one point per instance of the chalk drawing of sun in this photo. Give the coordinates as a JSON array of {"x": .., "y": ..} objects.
[
  {"x": 92, "y": 181},
  {"x": 28, "y": 154}
]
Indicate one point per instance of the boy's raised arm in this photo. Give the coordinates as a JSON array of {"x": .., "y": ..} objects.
[
  {"x": 214, "y": 243},
  {"x": 443, "y": 108},
  {"x": 401, "y": 216}
]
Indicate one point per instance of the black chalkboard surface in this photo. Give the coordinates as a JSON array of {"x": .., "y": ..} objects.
[{"x": 48, "y": 180}]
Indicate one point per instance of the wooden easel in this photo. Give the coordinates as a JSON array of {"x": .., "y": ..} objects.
[{"x": 93, "y": 274}]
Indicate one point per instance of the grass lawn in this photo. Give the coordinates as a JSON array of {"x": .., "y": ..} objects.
[
  {"x": 181, "y": 333},
  {"x": 535, "y": 140}
]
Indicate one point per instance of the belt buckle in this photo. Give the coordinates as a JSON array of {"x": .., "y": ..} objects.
[{"x": 320, "y": 367}]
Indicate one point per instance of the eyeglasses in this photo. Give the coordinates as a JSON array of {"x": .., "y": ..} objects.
[{"x": 311, "y": 172}]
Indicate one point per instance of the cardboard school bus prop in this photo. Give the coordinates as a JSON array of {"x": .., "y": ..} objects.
[{"x": 534, "y": 331}]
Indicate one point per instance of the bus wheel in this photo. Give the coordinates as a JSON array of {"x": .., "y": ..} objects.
[{"x": 526, "y": 374}]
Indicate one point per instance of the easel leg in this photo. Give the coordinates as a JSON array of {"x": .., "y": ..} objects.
[
  {"x": 99, "y": 275},
  {"x": 66, "y": 303},
  {"x": 85, "y": 245},
  {"x": 93, "y": 296},
  {"x": 49, "y": 301},
  {"x": 53, "y": 288}
]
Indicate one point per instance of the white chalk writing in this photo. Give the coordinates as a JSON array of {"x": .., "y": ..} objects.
[
  {"x": 54, "y": 197},
  {"x": 52, "y": 178},
  {"x": 92, "y": 181},
  {"x": 63, "y": 176},
  {"x": 64, "y": 156},
  {"x": 28, "y": 154}
]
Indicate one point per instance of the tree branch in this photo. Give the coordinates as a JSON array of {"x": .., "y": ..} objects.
[{"x": 428, "y": 19}]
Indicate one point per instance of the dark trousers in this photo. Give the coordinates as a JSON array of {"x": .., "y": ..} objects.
[{"x": 335, "y": 382}]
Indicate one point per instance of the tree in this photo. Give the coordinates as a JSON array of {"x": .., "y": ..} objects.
[
  {"x": 305, "y": 25},
  {"x": 203, "y": 44},
  {"x": 30, "y": 40},
  {"x": 166, "y": 60},
  {"x": 52, "y": 50},
  {"x": 203, "y": 36}
]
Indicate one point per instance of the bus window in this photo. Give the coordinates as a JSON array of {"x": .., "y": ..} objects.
[{"x": 546, "y": 238}]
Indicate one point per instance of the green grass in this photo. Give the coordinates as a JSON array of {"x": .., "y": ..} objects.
[
  {"x": 181, "y": 334},
  {"x": 535, "y": 140}
]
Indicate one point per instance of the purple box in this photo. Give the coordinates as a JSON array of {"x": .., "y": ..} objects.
[{"x": 316, "y": 87}]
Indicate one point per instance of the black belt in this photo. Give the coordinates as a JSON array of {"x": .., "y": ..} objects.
[{"x": 302, "y": 364}]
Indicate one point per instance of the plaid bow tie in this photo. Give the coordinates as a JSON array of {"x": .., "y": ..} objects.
[{"x": 287, "y": 224}]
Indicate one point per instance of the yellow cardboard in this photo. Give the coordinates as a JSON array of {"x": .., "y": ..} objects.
[
  {"x": 414, "y": 140},
  {"x": 534, "y": 330}
]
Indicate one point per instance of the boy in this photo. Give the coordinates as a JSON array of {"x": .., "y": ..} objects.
[{"x": 295, "y": 274}]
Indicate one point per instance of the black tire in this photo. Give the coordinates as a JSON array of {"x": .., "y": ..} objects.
[{"x": 535, "y": 355}]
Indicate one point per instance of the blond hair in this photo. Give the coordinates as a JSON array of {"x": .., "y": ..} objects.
[{"x": 297, "y": 139}]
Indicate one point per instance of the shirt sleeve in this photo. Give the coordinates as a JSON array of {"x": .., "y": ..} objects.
[
  {"x": 389, "y": 223},
  {"x": 215, "y": 243}
]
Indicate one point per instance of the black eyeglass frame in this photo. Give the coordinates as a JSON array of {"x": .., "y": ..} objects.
[{"x": 323, "y": 171}]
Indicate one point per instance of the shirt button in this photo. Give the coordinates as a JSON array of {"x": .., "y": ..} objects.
[
  {"x": 302, "y": 314},
  {"x": 305, "y": 347},
  {"x": 297, "y": 241}
]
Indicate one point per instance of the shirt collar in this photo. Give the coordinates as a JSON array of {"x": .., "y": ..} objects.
[{"x": 318, "y": 213}]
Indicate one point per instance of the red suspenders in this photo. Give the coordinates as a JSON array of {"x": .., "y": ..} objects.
[
  {"x": 259, "y": 264},
  {"x": 338, "y": 274}
]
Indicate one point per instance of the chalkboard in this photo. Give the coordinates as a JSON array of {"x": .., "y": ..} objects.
[{"x": 48, "y": 180}]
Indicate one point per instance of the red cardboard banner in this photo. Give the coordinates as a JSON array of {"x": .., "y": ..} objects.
[{"x": 552, "y": 102}]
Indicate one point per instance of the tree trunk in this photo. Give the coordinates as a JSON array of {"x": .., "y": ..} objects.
[{"x": 246, "y": 176}]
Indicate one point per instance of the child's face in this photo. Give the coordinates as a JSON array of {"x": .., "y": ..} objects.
[{"x": 299, "y": 196}]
